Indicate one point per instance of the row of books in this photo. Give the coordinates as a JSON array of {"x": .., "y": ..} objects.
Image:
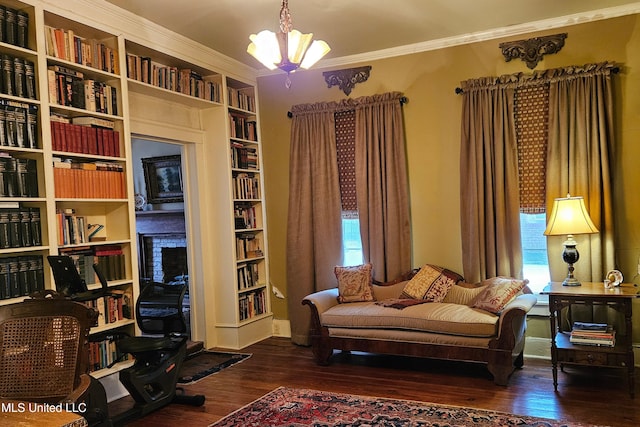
[
  {"x": 18, "y": 77},
  {"x": 69, "y": 88},
  {"x": 186, "y": 81},
  {"x": 18, "y": 176},
  {"x": 14, "y": 26},
  {"x": 246, "y": 187},
  {"x": 244, "y": 157},
  {"x": 110, "y": 258},
  {"x": 72, "y": 228},
  {"x": 88, "y": 180},
  {"x": 20, "y": 227},
  {"x": 252, "y": 304},
  {"x": 248, "y": 246},
  {"x": 241, "y": 98},
  {"x": 242, "y": 127},
  {"x": 248, "y": 276},
  {"x": 65, "y": 44},
  {"x": 87, "y": 135},
  {"x": 102, "y": 354},
  {"x": 598, "y": 334},
  {"x": 18, "y": 124},
  {"x": 245, "y": 216},
  {"x": 21, "y": 276},
  {"x": 112, "y": 308}
]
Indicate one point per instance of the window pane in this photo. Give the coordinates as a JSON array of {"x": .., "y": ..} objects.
[
  {"x": 534, "y": 250},
  {"x": 351, "y": 241}
]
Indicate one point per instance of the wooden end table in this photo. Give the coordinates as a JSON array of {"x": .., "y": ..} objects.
[{"x": 563, "y": 351}]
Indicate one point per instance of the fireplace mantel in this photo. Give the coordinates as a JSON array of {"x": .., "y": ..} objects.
[{"x": 152, "y": 222}]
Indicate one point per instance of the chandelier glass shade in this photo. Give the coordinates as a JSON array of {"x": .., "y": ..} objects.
[{"x": 288, "y": 49}]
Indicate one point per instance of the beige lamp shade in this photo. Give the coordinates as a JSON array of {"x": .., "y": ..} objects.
[{"x": 569, "y": 216}]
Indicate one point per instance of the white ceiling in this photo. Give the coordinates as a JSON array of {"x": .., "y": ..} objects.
[{"x": 355, "y": 27}]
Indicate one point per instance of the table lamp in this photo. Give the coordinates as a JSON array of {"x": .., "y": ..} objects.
[{"x": 569, "y": 216}]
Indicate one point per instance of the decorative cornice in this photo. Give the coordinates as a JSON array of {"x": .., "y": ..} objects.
[
  {"x": 347, "y": 78},
  {"x": 533, "y": 50}
]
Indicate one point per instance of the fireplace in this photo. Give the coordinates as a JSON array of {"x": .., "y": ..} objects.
[{"x": 162, "y": 245}]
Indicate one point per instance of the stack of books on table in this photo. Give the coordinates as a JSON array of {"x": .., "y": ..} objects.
[{"x": 599, "y": 334}]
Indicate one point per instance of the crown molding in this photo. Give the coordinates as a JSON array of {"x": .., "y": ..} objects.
[{"x": 496, "y": 33}]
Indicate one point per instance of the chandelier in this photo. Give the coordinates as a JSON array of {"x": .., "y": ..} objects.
[{"x": 288, "y": 49}]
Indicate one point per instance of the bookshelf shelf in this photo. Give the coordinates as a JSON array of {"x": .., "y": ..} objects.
[
  {"x": 110, "y": 326},
  {"x": 170, "y": 95}
]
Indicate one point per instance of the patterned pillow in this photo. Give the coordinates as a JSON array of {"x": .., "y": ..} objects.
[
  {"x": 498, "y": 293},
  {"x": 354, "y": 283},
  {"x": 430, "y": 283}
]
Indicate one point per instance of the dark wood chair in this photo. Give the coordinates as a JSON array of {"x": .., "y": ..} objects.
[{"x": 44, "y": 349}]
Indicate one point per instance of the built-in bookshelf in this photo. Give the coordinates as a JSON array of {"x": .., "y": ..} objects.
[
  {"x": 248, "y": 205},
  {"x": 64, "y": 171}
]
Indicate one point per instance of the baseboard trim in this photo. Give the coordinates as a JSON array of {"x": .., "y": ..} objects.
[{"x": 281, "y": 328}]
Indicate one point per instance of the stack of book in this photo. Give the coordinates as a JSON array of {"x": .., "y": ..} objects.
[{"x": 599, "y": 334}]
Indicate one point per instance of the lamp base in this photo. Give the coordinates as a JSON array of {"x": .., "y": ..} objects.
[
  {"x": 570, "y": 255},
  {"x": 571, "y": 281}
]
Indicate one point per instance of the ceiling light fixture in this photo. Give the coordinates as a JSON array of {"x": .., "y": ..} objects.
[{"x": 288, "y": 49}]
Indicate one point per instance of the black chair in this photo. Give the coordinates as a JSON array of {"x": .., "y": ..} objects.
[{"x": 158, "y": 357}]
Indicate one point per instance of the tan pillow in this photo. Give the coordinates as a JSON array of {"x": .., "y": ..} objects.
[
  {"x": 498, "y": 293},
  {"x": 430, "y": 283},
  {"x": 463, "y": 294},
  {"x": 354, "y": 283}
]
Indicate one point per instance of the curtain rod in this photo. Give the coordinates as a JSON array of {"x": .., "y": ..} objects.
[
  {"x": 614, "y": 70},
  {"x": 403, "y": 100}
]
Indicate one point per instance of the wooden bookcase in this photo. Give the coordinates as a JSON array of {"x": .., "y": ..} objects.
[{"x": 93, "y": 186}]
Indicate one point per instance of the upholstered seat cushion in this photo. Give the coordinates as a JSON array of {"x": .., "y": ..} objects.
[{"x": 443, "y": 318}]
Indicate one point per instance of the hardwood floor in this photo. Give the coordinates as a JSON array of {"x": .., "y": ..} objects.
[{"x": 589, "y": 396}]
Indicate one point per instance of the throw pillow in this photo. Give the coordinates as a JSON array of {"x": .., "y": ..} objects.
[
  {"x": 498, "y": 293},
  {"x": 354, "y": 283},
  {"x": 430, "y": 283}
]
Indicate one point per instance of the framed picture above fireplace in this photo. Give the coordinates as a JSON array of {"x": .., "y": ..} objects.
[{"x": 163, "y": 179}]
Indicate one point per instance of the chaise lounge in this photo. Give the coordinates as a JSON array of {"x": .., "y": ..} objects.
[{"x": 445, "y": 319}]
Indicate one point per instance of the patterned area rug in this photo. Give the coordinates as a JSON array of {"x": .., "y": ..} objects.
[
  {"x": 298, "y": 407},
  {"x": 204, "y": 363}
]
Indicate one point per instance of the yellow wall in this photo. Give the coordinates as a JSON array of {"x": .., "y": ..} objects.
[{"x": 432, "y": 124}]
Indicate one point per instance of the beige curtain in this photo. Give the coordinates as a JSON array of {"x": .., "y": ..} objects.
[
  {"x": 382, "y": 185},
  {"x": 579, "y": 162},
  {"x": 314, "y": 233},
  {"x": 489, "y": 201}
]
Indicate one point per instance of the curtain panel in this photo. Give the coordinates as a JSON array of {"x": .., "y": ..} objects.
[
  {"x": 314, "y": 228},
  {"x": 382, "y": 185},
  {"x": 489, "y": 200},
  {"x": 579, "y": 161}
]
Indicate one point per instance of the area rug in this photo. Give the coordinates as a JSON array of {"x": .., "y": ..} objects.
[
  {"x": 299, "y": 407},
  {"x": 204, "y": 363}
]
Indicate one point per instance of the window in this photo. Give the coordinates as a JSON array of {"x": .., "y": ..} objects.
[
  {"x": 351, "y": 242},
  {"x": 534, "y": 250}
]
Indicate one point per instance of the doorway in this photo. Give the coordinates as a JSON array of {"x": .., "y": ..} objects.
[{"x": 161, "y": 228}]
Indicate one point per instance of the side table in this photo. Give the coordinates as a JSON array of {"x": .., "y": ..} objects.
[{"x": 591, "y": 293}]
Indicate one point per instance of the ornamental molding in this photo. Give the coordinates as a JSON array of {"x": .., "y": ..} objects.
[
  {"x": 347, "y": 78},
  {"x": 533, "y": 50}
]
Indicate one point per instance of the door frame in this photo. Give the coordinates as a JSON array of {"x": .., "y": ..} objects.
[{"x": 190, "y": 142}]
